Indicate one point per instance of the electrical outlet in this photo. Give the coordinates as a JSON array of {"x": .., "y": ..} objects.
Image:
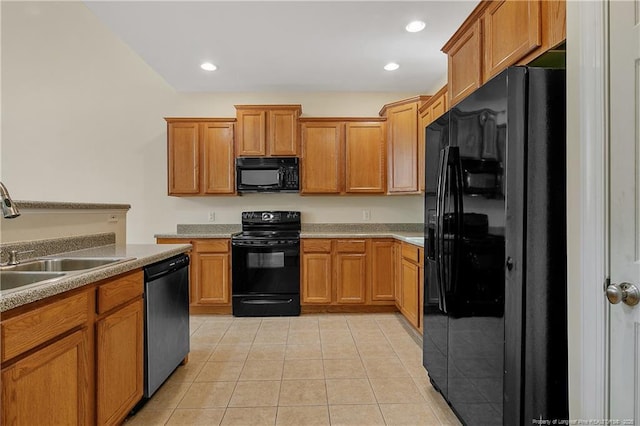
[
  {"x": 212, "y": 216},
  {"x": 366, "y": 214}
]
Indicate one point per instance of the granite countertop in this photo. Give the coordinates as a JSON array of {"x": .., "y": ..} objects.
[
  {"x": 137, "y": 255},
  {"x": 26, "y": 204},
  {"x": 410, "y": 233}
]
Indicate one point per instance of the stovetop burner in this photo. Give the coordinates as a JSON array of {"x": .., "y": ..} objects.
[{"x": 269, "y": 224}]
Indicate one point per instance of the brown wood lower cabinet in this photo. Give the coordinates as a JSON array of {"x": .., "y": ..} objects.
[
  {"x": 50, "y": 386},
  {"x": 209, "y": 273},
  {"x": 119, "y": 372},
  {"x": 75, "y": 358},
  {"x": 341, "y": 272},
  {"x": 409, "y": 296}
]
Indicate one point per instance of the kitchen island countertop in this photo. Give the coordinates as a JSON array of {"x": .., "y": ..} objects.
[{"x": 137, "y": 256}]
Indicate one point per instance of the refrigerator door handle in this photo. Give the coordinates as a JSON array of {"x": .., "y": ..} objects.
[
  {"x": 454, "y": 158},
  {"x": 440, "y": 233}
]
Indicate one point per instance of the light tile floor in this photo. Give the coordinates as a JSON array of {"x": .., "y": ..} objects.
[{"x": 324, "y": 369}]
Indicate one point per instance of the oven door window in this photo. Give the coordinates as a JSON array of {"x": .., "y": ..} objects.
[
  {"x": 260, "y": 177},
  {"x": 265, "y": 260}
]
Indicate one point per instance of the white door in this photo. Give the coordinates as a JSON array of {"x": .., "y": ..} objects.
[{"x": 624, "y": 72}]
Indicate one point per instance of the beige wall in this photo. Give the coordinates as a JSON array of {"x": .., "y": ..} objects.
[
  {"x": 40, "y": 224},
  {"x": 82, "y": 121}
]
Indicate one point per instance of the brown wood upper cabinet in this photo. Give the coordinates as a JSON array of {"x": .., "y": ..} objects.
[
  {"x": 341, "y": 156},
  {"x": 511, "y": 31},
  {"x": 402, "y": 144},
  {"x": 429, "y": 112},
  {"x": 200, "y": 156},
  {"x": 500, "y": 33},
  {"x": 464, "y": 52},
  {"x": 267, "y": 130}
]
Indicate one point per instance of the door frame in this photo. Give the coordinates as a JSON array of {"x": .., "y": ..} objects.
[{"x": 587, "y": 207}]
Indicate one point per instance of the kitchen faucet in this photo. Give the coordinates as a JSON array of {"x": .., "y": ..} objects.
[{"x": 9, "y": 209}]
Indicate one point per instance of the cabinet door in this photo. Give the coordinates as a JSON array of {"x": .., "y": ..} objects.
[
  {"x": 397, "y": 279},
  {"x": 50, "y": 386},
  {"x": 511, "y": 30},
  {"x": 465, "y": 66},
  {"x": 119, "y": 357},
  {"x": 283, "y": 132},
  {"x": 382, "y": 271},
  {"x": 351, "y": 277},
  {"x": 426, "y": 117},
  {"x": 322, "y": 165},
  {"x": 365, "y": 157},
  {"x": 213, "y": 279},
  {"x": 251, "y": 138},
  {"x": 403, "y": 148},
  {"x": 410, "y": 277},
  {"x": 555, "y": 23},
  {"x": 218, "y": 164},
  {"x": 316, "y": 278},
  {"x": 183, "y": 158}
]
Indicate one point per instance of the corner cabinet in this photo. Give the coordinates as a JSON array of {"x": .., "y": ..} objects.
[
  {"x": 209, "y": 273},
  {"x": 200, "y": 156},
  {"x": 402, "y": 144},
  {"x": 343, "y": 156},
  {"x": 267, "y": 130}
]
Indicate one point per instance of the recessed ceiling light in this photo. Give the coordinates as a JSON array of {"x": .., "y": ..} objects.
[
  {"x": 208, "y": 66},
  {"x": 391, "y": 66},
  {"x": 415, "y": 26}
]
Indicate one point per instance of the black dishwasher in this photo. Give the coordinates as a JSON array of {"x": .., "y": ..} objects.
[{"x": 166, "y": 325}]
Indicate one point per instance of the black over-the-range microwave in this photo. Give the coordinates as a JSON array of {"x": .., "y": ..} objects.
[{"x": 267, "y": 174}]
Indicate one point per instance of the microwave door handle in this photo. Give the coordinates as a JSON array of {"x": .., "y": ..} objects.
[{"x": 280, "y": 177}]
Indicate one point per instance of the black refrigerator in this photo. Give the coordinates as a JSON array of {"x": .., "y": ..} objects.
[{"x": 495, "y": 314}]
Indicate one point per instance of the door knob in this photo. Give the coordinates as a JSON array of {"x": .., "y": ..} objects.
[{"x": 625, "y": 292}]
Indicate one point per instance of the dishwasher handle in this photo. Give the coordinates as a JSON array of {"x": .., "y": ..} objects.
[{"x": 165, "y": 267}]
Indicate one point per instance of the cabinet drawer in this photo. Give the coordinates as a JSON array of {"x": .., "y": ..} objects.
[
  {"x": 211, "y": 246},
  {"x": 119, "y": 291},
  {"x": 173, "y": 241},
  {"x": 411, "y": 252},
  {"x": 25, "y": 332},
  {"x": 316, "y": 246},
  {"x": 350, "y": 246}
]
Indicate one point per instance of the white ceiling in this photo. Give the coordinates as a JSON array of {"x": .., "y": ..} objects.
[{"x": 288, "y": 46}]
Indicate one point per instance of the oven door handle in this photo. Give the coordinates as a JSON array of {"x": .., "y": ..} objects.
[{"x": 265, "y": 245}]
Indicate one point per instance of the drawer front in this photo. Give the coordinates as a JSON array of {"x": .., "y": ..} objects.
[
  {"x": 173, "y": 241},
  {"x": 411, "y": 252},
  {"x": 120, "y": 290},
  {"x": 312, "y": 245},
  {"x": 25, "y": 332},
  {"x": 351, "y": 246},
  {"x": 211, "y": 246}
]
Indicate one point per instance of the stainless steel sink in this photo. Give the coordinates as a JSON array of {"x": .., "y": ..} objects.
[
  {"x": 37, "y": 271},
  {"x": 10, "y": 280},
  {"x": 62, "y": 264}
]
